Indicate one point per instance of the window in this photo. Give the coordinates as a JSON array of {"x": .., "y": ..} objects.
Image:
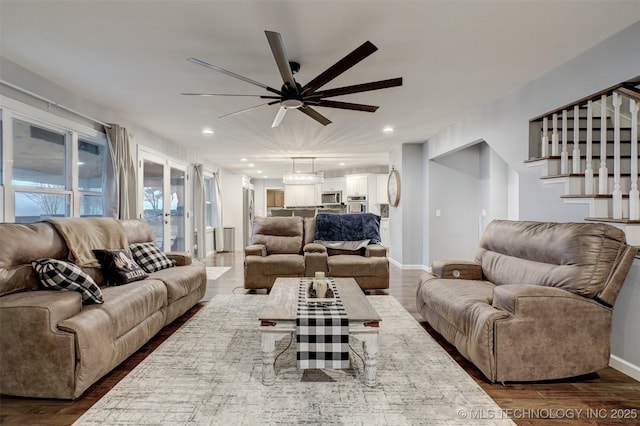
[
  {"x": 39, "y": 156},
  {"x": 39, "y": 162},
  {"x": 91, "y": 169},
  {"x": 33, "y": 206},
  {"x": 52, "y": 167}
]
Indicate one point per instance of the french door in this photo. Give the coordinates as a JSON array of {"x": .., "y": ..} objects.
[{"x": 162, "y": 198}]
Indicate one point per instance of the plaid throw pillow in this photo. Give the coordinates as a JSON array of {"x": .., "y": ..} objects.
[
  {"x": 59, "y": 275},
  {"x": 150, "y": 257}
]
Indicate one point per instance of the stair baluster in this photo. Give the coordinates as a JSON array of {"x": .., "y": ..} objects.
[
  {"x": 634, "y": 196},
  {"x": 603, "y": 173},
  {"x": 545, "y": 138},
  {"x": 554, "y": 135},
  {"x": 588, "y": 172},
  {"x": 576, "y": 140},
  {"x": 564, "y": 156},
  {"x": 617, "y": 192}
]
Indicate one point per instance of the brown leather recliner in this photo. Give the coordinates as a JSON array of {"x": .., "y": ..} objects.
[
  {"x": 284, "y": 247},
  {"x": 537, "y": 302}
]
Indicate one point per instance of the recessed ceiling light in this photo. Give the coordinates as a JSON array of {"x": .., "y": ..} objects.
[
  {"x": 207, "y": 131},
  {"x": 341, "y": 164},
  {"x": 265, "y": 176},
  {"x": 250, "y": 164},
  {"x": 259, "y": 171},
  {"x": 243, "y": 159},
  {"x": 388, "y": 129}
]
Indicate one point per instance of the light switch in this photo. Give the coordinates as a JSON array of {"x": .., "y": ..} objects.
[{"x": 437, "y": 212}]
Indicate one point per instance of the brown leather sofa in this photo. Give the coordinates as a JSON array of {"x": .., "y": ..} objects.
[
  {"x": 53, "y": 346},
  {"x": 536, "y": 304},
  {"x": 284, "y": 247}
]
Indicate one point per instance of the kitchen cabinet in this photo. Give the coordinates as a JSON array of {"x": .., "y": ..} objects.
[
  {"x": 382, "y": 196},
  {"x": 301, "y": 195},
  {"x": 357, "y": 185},
  {"x": 335, "y": 184}
]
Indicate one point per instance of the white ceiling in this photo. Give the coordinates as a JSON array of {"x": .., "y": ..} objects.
[{"x": 454, "y": 56}]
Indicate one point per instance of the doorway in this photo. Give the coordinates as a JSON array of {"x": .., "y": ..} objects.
[{"x": 162, "y": 188}]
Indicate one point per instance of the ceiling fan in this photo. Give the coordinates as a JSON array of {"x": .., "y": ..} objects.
[{"x": 292, "y": 95}]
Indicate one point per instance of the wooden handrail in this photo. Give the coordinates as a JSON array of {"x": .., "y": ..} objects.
[
  {"x": 630, "y": 92},
  {"x": 627, "y": 88}
]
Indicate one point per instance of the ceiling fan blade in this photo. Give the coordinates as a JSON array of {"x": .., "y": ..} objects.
[
  {"x": 247, "y": 109},
  {"x": 365, "y": 49},
  {"x": 279, "y": 116},
  {"x": 280, "y": 55},
  {"x": 315, "y": 115},
  {"x": 357, "y": 88},
  {"x": 229, "y": 94},
  {"x": 345, "y": 105},
  {"x": 232, "y": 74}
]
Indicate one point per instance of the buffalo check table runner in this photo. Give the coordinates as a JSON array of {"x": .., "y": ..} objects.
[{"x": 322, "y": 331}]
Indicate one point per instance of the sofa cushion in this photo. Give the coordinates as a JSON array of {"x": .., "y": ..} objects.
[
  {"x": 118, "y": 267},
  {"x": 150, "y": 257},
  {"x": 180, "y": 281},
  {"x": 59, "y": 275},
  {"x": 128, "y": 305},
  {"x": 348, "y": 265},
  {"x": 456, "y": 300},
  {"x": 280, "y": 235},
  {"x": 577, "y": 257},
  {"x": 21, "y": 243},
  {"x": 279, "y": 264}
]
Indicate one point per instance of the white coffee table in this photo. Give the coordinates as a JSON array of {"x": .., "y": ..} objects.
[{"x": 278, "y": 320}]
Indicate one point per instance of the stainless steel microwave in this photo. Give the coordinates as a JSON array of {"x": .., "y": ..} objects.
[{"x": 332, "y": 197}]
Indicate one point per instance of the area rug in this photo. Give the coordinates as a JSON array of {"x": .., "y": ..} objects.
[
  {"x": 209, "y": 373},
  {"x": 215, "y": 272}
]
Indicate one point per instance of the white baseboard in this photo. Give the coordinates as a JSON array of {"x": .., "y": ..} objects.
[
  {"x": 625, "y": 367},
  {"x": 409, "y": 267}
]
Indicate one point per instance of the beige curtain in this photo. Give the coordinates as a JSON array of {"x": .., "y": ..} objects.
[
  {"x": 217, "y": 213},
  {"x": 120, "y": 193},
  {"x": 199, "y": 212}
]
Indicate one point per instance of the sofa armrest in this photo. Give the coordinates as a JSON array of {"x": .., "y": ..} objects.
[
  {"x": 256, "y": 250},
  {"x": 180, "y": 258},
  {"x": 375, "y": 250},
  {"x": 540, "y": 301},
  {"x": 459, "y": 269},
  {"x": 314, "y": 248}
]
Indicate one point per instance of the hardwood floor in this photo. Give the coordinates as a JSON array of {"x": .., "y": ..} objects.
[{"x": 594, "y": 399}]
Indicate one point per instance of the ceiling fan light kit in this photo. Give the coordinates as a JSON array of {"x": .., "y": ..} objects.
[{"x": 294, "y": 96}]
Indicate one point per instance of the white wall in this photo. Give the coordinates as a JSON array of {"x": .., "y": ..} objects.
[
  {"x": 232, "y": 207},
  {"x": 261, "y": 186},
  {"x": 504, "y": 125}
]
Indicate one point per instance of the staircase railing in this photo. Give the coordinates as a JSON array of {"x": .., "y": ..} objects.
[{"x": 610, "y": 117}]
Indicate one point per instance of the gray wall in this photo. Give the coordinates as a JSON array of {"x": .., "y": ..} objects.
[
  {"x": 406, "y": 221},
  {"x": 454, "y": 205}
]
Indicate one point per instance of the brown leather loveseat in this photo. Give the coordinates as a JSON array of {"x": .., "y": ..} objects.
[
  {"x": 537, "y": 302},
  {"x": 285, "y": 247},
  {"x": 54, "y": 346}
]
